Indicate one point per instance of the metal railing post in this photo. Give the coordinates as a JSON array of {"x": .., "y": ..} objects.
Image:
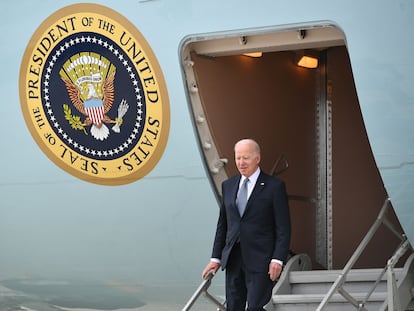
[
  {"x": 202, "y": 289},
  {"x": 342, "y": 277},
  {"x": 392, "y": 289}
]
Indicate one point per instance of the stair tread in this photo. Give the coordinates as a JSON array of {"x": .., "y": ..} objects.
[
  {"x": 316, "y": 298},
  {"x": 321, "y": 276}
]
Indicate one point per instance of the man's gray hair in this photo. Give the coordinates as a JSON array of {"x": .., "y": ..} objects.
[{"x": 256, "y": 146}]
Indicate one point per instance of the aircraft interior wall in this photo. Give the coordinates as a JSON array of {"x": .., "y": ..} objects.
[
  {"x": 358, "y": 191},
  {"x": 274, "y": 101}
]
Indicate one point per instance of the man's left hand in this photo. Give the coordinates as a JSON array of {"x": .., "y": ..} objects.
[{"x": 274, "y": 270}]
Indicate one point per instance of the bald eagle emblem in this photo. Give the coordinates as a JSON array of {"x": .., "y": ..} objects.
[{"x": 89, "y": 80}]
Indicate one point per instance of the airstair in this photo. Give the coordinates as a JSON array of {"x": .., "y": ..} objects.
[
  {"x": 300, "y": 288},
  {"x": 388, "y": 288}
]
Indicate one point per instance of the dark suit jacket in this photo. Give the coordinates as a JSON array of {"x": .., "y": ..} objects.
[{"x": 264, "y": 229}]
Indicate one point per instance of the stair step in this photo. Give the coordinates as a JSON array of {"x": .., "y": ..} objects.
[
  {"x": 319, "y": 282},
  {"x": 324, "y": 288},
  {"x": 330, "y": 276},
  {"x": 317, "y": 298}
]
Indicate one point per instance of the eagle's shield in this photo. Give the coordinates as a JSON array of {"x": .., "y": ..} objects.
[{"x": 94, "y": 108}]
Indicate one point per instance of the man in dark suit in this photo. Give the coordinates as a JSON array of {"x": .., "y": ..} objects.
[{"x": 252, "y": 239}]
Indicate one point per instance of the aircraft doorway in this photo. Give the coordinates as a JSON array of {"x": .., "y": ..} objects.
[{"x": 309, "y": 125}]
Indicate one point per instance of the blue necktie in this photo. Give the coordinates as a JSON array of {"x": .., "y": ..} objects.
[{"x": 242, "y": 197}]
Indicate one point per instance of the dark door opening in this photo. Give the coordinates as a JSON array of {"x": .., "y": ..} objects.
[{"x": 309, "y": 119}]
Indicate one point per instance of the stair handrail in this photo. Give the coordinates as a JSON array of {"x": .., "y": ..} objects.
[
  {"x": 273, "y": 171},
  {"x": 202, "y": 289},
  {"x": 403, "y": 247}
]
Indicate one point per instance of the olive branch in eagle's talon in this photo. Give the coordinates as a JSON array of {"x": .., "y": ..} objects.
[{"x": 74, "y": 121}]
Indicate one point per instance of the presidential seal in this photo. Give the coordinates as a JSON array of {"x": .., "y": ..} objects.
[{"x": 93, "y": 95}]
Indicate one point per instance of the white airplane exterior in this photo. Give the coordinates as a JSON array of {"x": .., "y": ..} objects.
[{"x": 119, "y": 119}]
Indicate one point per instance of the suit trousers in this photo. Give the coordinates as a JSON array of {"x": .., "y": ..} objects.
[{"x": 243, "y": 286}]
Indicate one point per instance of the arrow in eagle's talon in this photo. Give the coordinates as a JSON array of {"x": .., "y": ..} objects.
[{"x": 122, "y": 110}]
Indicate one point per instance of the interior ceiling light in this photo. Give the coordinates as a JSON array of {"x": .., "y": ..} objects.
[
  {"x": 254, "y": 54},
  {"x": 307, "y": 59}
]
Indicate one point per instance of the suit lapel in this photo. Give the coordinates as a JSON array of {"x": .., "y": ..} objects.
[{"x": 258, "y": 188}]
